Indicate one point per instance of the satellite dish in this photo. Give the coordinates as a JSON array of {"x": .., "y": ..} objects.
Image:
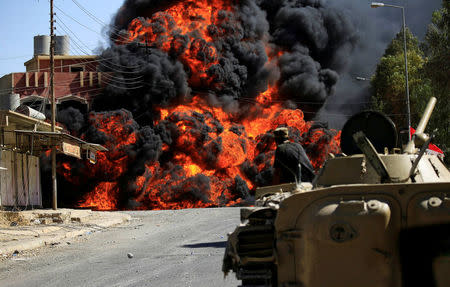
[{"x": 377, "y": 127}]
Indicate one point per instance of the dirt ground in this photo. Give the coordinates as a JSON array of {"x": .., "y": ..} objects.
[
  {"x": 3, "y": 222},
  {"x": 10, "y": 217}
]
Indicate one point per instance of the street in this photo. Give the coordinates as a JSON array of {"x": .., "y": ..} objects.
[{"x": 168, "y": 248}]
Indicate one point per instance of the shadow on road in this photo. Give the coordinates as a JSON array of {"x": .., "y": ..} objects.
[{"x": 218, "y": 244}]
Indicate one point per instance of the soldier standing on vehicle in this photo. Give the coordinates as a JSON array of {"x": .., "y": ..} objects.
[{"x": 291, "y": 162}]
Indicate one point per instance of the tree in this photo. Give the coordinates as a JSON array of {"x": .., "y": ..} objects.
[
  {"x": 437, "y": 69},
  {"x": 429, "y": 75},
  {"x": 388, "y": 82}
]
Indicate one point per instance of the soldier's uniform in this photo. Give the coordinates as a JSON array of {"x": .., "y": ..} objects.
[{"x": 291, "y": 161}]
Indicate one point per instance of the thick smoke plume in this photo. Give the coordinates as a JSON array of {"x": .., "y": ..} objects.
[
  {"x": 299, "y": 46},
  {"x": 195, "y": 90}
]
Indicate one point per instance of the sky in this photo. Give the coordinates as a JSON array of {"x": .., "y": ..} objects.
[
  {"x": 22, "y": 19},
  {"x": 376, "y": 28}
]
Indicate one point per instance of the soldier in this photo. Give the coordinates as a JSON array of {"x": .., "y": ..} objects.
[{"x": 291, "y": 162}]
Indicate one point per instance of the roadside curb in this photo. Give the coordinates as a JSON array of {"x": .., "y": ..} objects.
[{"x": 26, "y": 237}]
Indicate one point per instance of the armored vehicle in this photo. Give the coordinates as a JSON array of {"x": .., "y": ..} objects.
[{"x": 375, "y": 215}]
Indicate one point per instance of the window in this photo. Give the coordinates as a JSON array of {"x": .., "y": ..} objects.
[{"x": 76, "y": 69}]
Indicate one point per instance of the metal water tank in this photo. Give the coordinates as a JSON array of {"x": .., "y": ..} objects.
[
  {"x": 62, "y": 45},
  {"x": 26, "y": 110},
  {"x": 9, "y": 101},
  {"x": 41, "y": 45}
]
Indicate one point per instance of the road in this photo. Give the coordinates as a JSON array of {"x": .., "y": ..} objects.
[{"x": 170, "y": 248}]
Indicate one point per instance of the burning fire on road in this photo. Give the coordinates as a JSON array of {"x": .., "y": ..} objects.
[{"x": 215, "y": 79}]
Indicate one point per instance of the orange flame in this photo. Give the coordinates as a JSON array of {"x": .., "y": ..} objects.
[
  {"x": 191, "y": 19},
  {"x": 206, "y": 163},
  {"x": 212, "y": 179},
  {"x": 103, "y": 197}
]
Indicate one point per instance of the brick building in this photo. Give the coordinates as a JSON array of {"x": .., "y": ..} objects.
[
  {"x": 24, "y": 135},
  {"x": 77, "y": 80}
]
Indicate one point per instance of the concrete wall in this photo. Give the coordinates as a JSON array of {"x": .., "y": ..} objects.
[{"x": 6, "y": 82}]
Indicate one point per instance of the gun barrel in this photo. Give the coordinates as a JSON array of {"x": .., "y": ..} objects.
[
  {"x": 410, "y": 147},
  {"x": 426, "y": 115}
]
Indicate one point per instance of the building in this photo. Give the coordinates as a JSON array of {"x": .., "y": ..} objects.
[
  {"x": 76, "y": 78},
  {"x": 20, "y": 181},
  {"x": 23, "y": 139},
  {"x": 24, "y": 134}
]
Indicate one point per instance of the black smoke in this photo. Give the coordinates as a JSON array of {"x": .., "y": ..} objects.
[
  {"x": 309, "y": 43},
  {"x": 146, "y": 77},
  {"x": 375, "y": 28},
  {"x": 314, "y": 38},
  {"x": 72, "y": 118}
]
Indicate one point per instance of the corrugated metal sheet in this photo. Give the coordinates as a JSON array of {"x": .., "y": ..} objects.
[{"x": 20, "y": 183}]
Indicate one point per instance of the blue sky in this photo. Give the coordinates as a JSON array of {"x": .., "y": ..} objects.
[{"x": 21, "y": 20}]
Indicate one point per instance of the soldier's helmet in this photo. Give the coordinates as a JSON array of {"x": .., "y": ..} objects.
[{"x": 281, "y": 134}]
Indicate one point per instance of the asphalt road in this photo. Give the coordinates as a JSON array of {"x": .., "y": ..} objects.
[{"x": 170, "y": 248}]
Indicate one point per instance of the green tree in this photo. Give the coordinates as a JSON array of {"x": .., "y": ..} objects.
[
  {"x": 437, "y": 69},
  {"x": 388, "y": 82}
]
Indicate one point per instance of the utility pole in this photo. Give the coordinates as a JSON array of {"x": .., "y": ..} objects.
[
  {"x": 408, "y": 109},
  {"x": 53, "y": 107}
]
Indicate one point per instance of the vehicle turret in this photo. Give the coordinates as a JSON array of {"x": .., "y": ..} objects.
[{"x": 358, "y": 223}]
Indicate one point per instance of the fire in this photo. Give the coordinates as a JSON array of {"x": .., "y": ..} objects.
[
  {"x": 325, "y": 144},
  {"x": 191, "y": 20},
  {"x": 119, "y": 133},
  {"x": 103, "y": 197},
  {"x": 207, "y": 157},
  {"x": 205, "y": 163}
]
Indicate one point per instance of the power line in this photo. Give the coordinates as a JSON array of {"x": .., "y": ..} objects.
[
  {"x": 104, "y": 76},
  {"x": 69, "y": 31},
  {"x": 92, "y": 16},
  {"x": 81, "y": 24},
  {"x": 89, "y": 13},
  {"x": 63, "y": 24},
  {"x": 73, "y": 19}
]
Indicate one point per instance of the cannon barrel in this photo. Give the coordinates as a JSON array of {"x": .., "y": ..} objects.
[
  {"x": 426, "y": 115},
  {"x": 410, "y": 147}
]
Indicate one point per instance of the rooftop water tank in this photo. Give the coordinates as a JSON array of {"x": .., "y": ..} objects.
[
  {"x": 26, "y": 110},
  {"x": 41, "y": 45},
  {"x": 62, "y": 45},
  {"x": 9, "y": 101}
]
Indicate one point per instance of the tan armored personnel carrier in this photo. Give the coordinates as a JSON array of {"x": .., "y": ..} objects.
[{"x": 377, "y": 216}]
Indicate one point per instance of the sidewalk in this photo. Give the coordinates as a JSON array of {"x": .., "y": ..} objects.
[{"x": 30, "y": 229}]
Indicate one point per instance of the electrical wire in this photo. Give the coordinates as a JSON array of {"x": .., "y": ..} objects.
[
  {"x": 123, "y": 81},
  {"x": 132, "y": 81},
  {"x": 93, "y": 17},
  {"x": 73, "y": 19},
  {"x": 64, "y": 66},
  {"x": 249, "y": 100},
  {"x": 104, "y": 76},
  {"x": 118, "y": 80},
  {"x": 98, "y": 21},
  {"x": 76, "y": 37},
  {"x": 69, "y": 31},
  {"x": 78, "y": 22}
]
